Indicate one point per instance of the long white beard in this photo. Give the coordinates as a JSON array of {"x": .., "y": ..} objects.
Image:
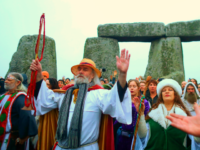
[
  {"x": 80, "y": 80},
  {"x": 9, "y": 87}
]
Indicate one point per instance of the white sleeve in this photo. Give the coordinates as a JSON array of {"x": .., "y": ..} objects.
[
  {"x": 109, "y": 103},
  {"x": 47, "y": 100},
  {"x": 142, "y": 129},
  {"x": 141, "y": 143}
]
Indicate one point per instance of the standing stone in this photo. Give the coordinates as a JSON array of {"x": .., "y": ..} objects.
[
  {"x": 138, "y": 32},
  {"x": 22, "y": 58},
  {"x": 166, "y": 59},
  {"x": 187, "y": 31},
  {"x": 103, "y": 52}
]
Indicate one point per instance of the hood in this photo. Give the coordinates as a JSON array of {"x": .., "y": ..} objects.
[{"x": 185, "y": 89}]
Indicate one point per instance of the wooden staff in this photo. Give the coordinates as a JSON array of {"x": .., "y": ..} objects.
[
  {"x": 29, "y": 100},
  {"x": 137, "y": 122}
]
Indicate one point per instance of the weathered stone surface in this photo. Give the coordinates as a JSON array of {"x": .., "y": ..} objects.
[
  {"x": 25, "y": 53},
  {"x": 166, "y": 59},
  {"x": 103, "y": 52},
  {"x": 187, "y": 31},
  {"x": 137, "y": 32}
]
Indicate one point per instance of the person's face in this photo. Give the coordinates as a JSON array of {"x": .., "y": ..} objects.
[
  {"x": 193, "y": 81},
  {"x": 44, "y": 77},
  {"x": 168, "y": 94},
  {"x": 133, "y": 88},
  {"x": 85, "y": 71},
  {"x": 67, "y": 81},
  {"x": 102, "y": 82},
  {"x": 106, "y": 80},
  {"x": 152, "y": 87},
  {"x": 183, "y": 84},
  {"x": 48, "y": 84},
  {"x": 199, "y": 88},
  {"x": 11, "y": 83},
  {"x": 60, "y": 84},
  {"x": 142, "y": 86},
  {"x": 190, "y": 89}
]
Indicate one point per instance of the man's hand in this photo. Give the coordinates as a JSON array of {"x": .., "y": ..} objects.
[
  {"x": 122, "y": 65},
  {"x": 21, "y": 141},
  {"x": 189, "y": 124},
  {"x": 36, "y": 66}
]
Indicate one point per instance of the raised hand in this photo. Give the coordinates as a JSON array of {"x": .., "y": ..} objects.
[
  {"x": 136, "y": 101},
  {"x": 115, "y": 73},
  {"x": 123, "y": 62},
  {"x": 36, "y": 66},
  {"x": 189, "y": 124}
]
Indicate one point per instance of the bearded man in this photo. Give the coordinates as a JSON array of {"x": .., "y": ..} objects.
[
  {"x": 81, "y": 107},
  {"x": 16, "y": 125},
  {"x": 190, "y": 96}
]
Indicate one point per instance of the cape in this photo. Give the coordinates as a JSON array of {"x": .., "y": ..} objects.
[{"x": 106, "y": 133}]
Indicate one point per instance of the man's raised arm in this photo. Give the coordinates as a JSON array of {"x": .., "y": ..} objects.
[{"x": 122, "y": 65}]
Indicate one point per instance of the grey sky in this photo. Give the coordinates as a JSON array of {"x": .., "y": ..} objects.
[{"x": 69, "y": 23}]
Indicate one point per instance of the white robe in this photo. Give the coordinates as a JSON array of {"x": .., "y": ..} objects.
[{"x": 97, "y": 102}]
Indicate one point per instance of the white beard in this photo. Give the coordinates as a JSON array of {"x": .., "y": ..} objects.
[
  {"x": 80, "y": 80},
  {"x": 9, "y": 87}
]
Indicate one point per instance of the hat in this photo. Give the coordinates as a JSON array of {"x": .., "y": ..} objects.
[
  {"x": 169, "y": 82},
  {"x": 45, "y": 73},
  {"x": 86, "y": 62}
]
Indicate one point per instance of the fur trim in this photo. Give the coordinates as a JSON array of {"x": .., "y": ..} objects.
[
  {"x": 158, "y": 116},
  {"x": 169, "y": 82}
]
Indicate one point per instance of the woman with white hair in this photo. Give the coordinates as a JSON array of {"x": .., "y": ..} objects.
[
  {"x": 156, "y": 132},
  {"x": 16, "y": 125}
]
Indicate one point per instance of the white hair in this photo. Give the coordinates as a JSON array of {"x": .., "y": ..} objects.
[
  {"x": 19, "y": 77},
  {"x": 96, "y": 79}
]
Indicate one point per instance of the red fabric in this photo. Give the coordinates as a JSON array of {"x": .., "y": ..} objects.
[
  {"x": 85, "y": 63},
  {"x": 110, "y": 145},
  {"x": 66, "y": 87}
]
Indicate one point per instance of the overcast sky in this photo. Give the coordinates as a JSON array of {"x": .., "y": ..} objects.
[{"x": 71, "y": 22}]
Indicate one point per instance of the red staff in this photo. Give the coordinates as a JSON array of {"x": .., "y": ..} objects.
[{"x": 29, "y": 100}]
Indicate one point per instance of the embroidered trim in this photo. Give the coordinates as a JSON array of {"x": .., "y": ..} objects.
[{"x": 4, "y": 114}]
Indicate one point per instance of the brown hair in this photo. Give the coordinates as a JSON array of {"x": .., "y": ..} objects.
[
  {"x": 177, "y": 102},
  {"x": 137, "y": 83},
  {"x": 153, "y": 81}
]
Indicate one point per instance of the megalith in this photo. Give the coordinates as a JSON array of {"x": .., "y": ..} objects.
[
  {"x": 166, "y": 59},
  {"x": 138, "y": 32},
  {"x": 188, "y": 31},
  {"x": 25, "y": 53},
  {"x": 103, "y": 52}
]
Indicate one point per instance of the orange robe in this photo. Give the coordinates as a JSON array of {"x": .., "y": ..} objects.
[{"x": 47, "y": 130}]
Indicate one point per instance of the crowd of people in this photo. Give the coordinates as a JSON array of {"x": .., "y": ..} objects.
[{"x": 89, "y": 112}]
